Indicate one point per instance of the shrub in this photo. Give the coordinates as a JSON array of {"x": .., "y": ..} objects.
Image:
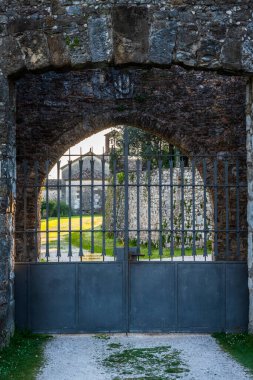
[{"x": 53, "y": 209}]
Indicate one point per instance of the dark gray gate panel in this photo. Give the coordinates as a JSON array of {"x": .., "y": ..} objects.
[
  {"x": 237, "y": 297},
  {"x": 164, "y": 296},
  {"x": 21, "y": 290},
  {"x": 52, "y": 297},
  {"x": 101, "y": 297},
  {"x": 201, "y": 297},
  {"x": 152, "y": 297}
]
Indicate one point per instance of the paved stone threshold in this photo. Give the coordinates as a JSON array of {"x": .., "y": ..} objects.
[{"x": 79, "y": 357}]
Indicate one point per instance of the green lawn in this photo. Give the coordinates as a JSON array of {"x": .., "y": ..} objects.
[
  {"x": 240, "y": 346},
  {"x": 98, "y": 237},
  {"x": 64, "y": 226},
  {"x": 109, "y": 245},
  {"x": 24, "y": 356}
]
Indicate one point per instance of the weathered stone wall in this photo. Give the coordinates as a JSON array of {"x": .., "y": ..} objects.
[
  {"x": 201, "y": 113},
  {"x": 162, "y": 207},
  {"x": 7, "y": 208},
  {"x": 249, "y": 122},
  {"x": 60, "y": 33},
  {"x": 41, "y": 35}
]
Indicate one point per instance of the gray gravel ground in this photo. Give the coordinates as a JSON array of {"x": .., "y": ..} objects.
[{"x": 79, "y": 357}]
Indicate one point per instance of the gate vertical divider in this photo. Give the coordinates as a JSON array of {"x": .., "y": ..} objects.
[
  {"x": 36, "y": 170},
  {"x": 25, "y": 206},
  {"x": 126, "y": 269},
  {"x": 77, "y": 296},
  {"x": 176, "y": 298},
  {"x": 28, "y": 294},
  {"x": 237, "y": 209},
  {"x": 224, "y": 296}
]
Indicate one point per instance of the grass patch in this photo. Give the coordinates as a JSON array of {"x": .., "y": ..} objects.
[
  {"x": 109, "y": 245},
  {"x": 112, "y": 346},
  {"x": 64, "y": 227},
  {"x": 22, "y": 359},
  {"x": 240, "y": 346},
  {"x": 156, "y": 363},
  {"x": 101, "y": 336}
]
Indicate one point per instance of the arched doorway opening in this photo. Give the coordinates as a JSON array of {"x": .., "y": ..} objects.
[{"x": 208, "y": 137}]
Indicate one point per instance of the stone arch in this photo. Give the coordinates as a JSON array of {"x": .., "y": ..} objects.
[
  {"x": 191, "y": 110},
  {"x": 203, "y": 37}
]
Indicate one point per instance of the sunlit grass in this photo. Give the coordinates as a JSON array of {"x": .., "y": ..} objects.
[
  {"x": 97, "y": 238},
  {"x": 109, "y": 245},
  {"x": 64, "y": 226}
]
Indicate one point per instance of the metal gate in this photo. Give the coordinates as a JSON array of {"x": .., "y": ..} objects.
[{"x": 129, "y": 243}]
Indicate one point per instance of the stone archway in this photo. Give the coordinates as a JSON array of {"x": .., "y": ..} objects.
[
  {"x": 62, "y": 36},
  {"x": 194, "y": 111}
]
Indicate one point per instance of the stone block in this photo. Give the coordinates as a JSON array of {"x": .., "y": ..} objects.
[
  {"x": 162, "y": 42},
  {"x": 59, "y": 55},
  {"x": 231, "y": 56},
  {"x": 100, "y": 38},
  {"x": 130, "y": 34},
  {"x": 34, "y": 47}
]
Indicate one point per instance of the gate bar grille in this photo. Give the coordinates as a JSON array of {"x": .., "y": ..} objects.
[{"x": 217, "y": 179}]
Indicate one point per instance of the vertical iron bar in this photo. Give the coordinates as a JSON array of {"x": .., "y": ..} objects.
[
  {"x": 58, "y": 212},
  {"x": 205, "y": 216},
  {"x": 193, "y": 209},
  {"x": 149, "y": 207},
  {"x": 92, "y": 203},
  {"x": 126, "y": 170},
  {"x": 115, "y": 206},
  {"x": 103, "y": 208},
  {"x": 70, "y": 209},
  {"x": 36, "y": 208},
  {"x": 160, "y": 210},
  {"x": 171, "y": 210},
  {"x": 227, "y": 207},
  {"x": 182, "y": 209},
  {"x": 215, "y": 207},
  {"x": 81, "y": 206},
  {"x": 237, "y": 208},
  {"x": 126, "y": 233},
  {"x": 47, "y": 211}
]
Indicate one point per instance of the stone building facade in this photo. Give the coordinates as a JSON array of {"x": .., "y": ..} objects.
[
  {"x": 179, "y": 68},
  {"x": 92, "y": 184},
  {"x": 161, "y": 207}
]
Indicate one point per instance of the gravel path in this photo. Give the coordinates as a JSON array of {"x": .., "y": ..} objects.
[{"x": 79, "y": 357}]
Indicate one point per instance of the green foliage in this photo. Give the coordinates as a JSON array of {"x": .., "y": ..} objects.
[
  {"x": 72, "y": 42},
  {"x": 121, "y": 178},
  {"x": 101, "y": 336},
  {"x": 109, "y": 245},
  {"x": 52, "y": 209},
  {"x": 22, "y": 359},
  {"x": 113, "y": 346},
  {"x": 149, "y": 147},
  {"x": 240, "y": 346}
]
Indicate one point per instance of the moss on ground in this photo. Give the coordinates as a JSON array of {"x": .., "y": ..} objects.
[{"x": 156, "y": 363}]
